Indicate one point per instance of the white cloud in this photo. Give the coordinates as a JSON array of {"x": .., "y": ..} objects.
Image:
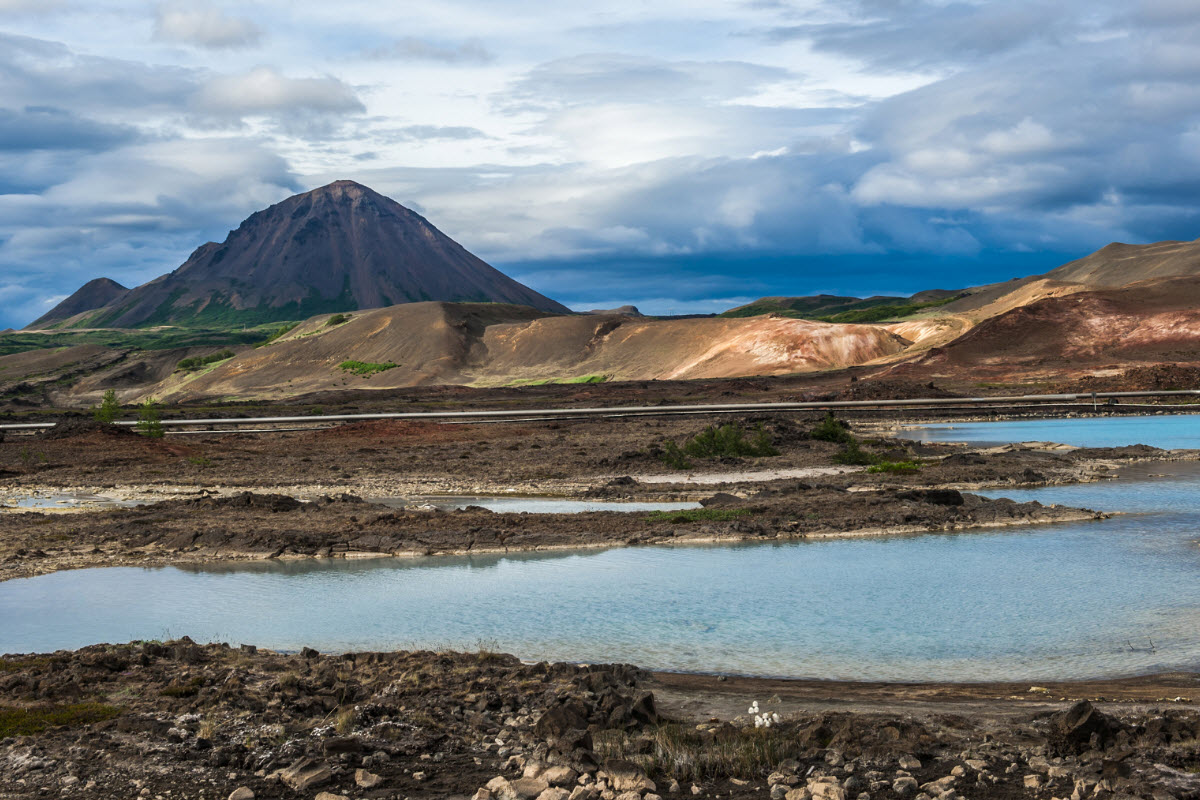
[
  {"x": 265, "y": 91},
  {"x": 202, "y": 25}
]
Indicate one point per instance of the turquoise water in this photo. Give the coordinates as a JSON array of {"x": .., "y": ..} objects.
[
  {"x": 1075, "y": 600},
  {"x": 1169, "y": 432}
]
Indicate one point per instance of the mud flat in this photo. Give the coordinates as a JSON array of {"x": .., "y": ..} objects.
[
  {"x": 177, "y": 719},
  {"x": 255, "y": 526}
]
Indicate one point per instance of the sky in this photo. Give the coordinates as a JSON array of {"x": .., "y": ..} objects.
[{"x": 681, "y": 156}]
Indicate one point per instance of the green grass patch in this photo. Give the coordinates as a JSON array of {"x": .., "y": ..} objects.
[
  {"x": 698, "y": 515},
  {"x": 885, "y": 312},
  {"x": 686, "y": 754},
  {"x": 197, "y": 362},
  {"x": 168, "y": 339},
  {"x": 37, "y": 719},
  {"x": 189, "y": 689},
  {"x": 895, "y": 467},
  {"x": 366, "y": 368},
  {"x": 579, "y": 379}
]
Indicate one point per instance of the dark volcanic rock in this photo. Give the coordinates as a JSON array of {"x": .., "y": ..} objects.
[
  {"x": 342, "y": 247},
  {"x": 94, "y": 294}
]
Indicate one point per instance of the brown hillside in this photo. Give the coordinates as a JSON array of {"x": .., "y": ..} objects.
[
  {"x": 1147, "y": 322},
  {"x": 485, "y": 344}
]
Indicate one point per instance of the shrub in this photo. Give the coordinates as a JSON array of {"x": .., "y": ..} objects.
[
  {"x": 673, "y": 457},
  {"x": 109, "y": 408},
  {"x": 853, "y": 455},
  {"x": 729, "y": 440},
  {"x": 150, "y": 419},
  {"x": 366, "y": 368},
  {"x": 831, "y": 429},
  {"x": 718, "y": 442},
  {"x": 337, "y": 319}
]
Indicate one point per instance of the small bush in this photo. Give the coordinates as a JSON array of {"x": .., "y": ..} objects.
[
  {"x": 831, "y": 429},
  {"x": 337, "y": 319},
  {"x": 896, "y": 467},
  {"x": 366, "y": 368},
  {"x": 109, "y": 408},
  {"x": 150, "y": 419},
  {"x": 853, "y": 455},
  {"x": 673, "y": 457},
  {"x": 35, "y": 720}
]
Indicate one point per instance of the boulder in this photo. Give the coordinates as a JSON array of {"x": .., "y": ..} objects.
[
  {"x": 366, "y": 780},
  {"x": 242, "y": 793},
  {"x": 559, "y": 776},
  {"x": 625, "y": 776},
  {"x": 1071, "y": 731},
  {"x": 305, "y": 774},
  {"x": 554, "y": 793}
]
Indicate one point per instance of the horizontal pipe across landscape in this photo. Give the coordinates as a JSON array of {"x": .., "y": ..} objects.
[{"x": 724, "y": 408}]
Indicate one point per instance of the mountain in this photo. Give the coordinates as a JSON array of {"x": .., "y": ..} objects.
[
  {"x": 342, "y": 247},
  {"x": 92, "y": 295},
  {"x": 1120, "y": 264}
]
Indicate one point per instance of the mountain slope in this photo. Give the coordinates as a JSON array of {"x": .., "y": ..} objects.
[
  {"x": 489, "y": 344},
  {"x": 341, "y": 247},
  {"x": 1147, "y": 322},
  {"x": 94, "y": 294}
]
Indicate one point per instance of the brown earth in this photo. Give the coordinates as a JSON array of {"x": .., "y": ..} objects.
[
  {"x": 796, "y": 494},
  {"x": 1146, "y": 323},
  {"x": 178, "y": 719}
]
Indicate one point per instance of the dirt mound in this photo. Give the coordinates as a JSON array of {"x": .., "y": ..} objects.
[
  {"x": 1158, "y": 377},
  {"x": 80, "y": 427},
  {"x": 892, "y": 389}
]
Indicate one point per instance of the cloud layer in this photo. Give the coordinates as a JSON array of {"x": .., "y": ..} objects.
[{"x": 680, "y": 156}]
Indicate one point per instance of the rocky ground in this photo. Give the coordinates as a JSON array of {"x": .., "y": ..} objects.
[
  {"x": 241, "y": 497},
  {"x": 180, "y": 720}
]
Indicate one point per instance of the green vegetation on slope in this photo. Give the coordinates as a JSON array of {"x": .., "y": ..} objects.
[
  {"x": 196, "y": 362},
  {"x": 366, "y": 368},
  {"x": 122, "y": 339},
  {"x": 885, "y": 312},
  {"x": 844, "y": 310}
]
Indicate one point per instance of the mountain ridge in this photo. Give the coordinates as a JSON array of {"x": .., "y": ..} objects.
[{"x": 340, "y": 247}]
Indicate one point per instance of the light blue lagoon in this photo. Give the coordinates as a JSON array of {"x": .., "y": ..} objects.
[
  {"x": 1107, "y": 598},
  {"x": 1170, "y": 432}
]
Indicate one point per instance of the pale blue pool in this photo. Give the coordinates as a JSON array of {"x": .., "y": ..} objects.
[
  {"x": 1076, "y": 600},
  {"x": 1170, "y": 432}
]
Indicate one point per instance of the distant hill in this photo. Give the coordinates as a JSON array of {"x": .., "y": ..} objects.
[
  {"x": 94, "y": 294},
  {"x": 342, "y": 247},
  {"x": 835, "y": 308},
  {"x": 1120, "y": 264}
]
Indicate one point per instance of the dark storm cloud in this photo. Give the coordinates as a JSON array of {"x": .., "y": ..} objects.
[{"x": 48, "y": 128}]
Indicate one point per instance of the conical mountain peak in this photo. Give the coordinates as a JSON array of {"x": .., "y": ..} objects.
[{"x": 340, "y": 247}]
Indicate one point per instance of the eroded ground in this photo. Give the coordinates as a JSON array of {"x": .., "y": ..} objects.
[{"x": 180, "y": 720}]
